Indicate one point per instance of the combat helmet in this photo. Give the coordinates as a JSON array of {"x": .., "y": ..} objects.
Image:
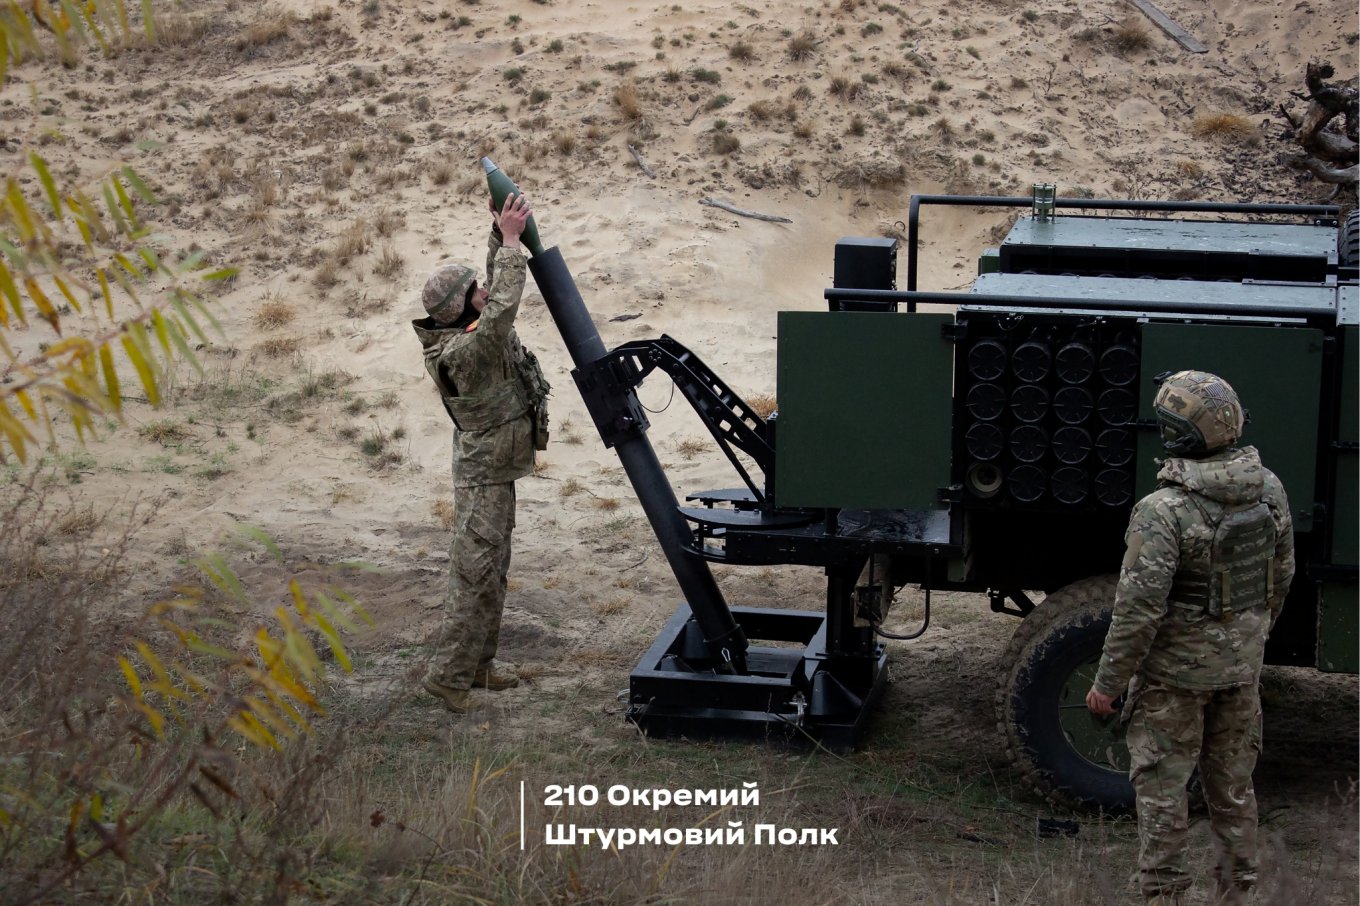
[
  {"x": 1198, "y": 413},
  {"x": 446, "y": 292}
]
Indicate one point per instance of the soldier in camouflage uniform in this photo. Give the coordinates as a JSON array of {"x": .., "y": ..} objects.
[
  {"x": 1209, "y": 559},
  {"x": 493, "y": 390}
]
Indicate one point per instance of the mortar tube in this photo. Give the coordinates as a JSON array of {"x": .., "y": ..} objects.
[{"x": 723, "y": 637}]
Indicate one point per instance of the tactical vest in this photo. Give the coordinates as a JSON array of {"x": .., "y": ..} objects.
[
  {"x": 506, "y": 401},
  {"x": 1239, "y": 572},
  {"x": 536, "y": 389}
]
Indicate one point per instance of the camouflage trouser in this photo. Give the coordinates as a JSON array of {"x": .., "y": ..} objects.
[
  {"x": 1169, "y": 731},
  {"x": 484, "y": 518}
]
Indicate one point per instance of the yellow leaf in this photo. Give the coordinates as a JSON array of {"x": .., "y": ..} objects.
[
  {"x": 45, "y": 307},
  {"x": 162, "y": 336},
  {"x": 250, "y": 727},
  {"x": 130, "y": 674},
  {"x": 20, "y": 211},
  {"x": 115, "y": 398},
  {"x": 222, "y": 273},
  {"x": 124, "y": 202},
  {"x": 333, "y": 639},
  {"x": 114, "y": 212},
  {"x": 27, "y": 402},
  {"x": 153, "y": 717},
  {"x": 144, "y": 371},
  {"x": 108, "y": 293},
  {"x": 123, "y": 281},
  {"x": 11, "y": 291},
  {"x": 299, "y": 601},
  {"x": 15, "y": 432},
  {"x": 128, "y": 265},
  {"x": 65, "y": 291},
  {"x": 177, "y": 337},
  {"x": 49, "y": 185}
]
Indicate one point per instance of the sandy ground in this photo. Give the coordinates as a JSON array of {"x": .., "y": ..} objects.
[{"x": 331, "y": 152}]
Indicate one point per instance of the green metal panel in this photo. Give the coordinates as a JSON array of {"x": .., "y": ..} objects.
[
  {"x": 989, "y": 262},
  {"x": 1346, "y": 506},
  {"x": 864, "y": 409},
  {"x": 1277, "y": 372},
  {"x": 1338, "y": 628}
]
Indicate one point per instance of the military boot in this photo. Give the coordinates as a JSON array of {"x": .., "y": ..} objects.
[
  {"x": 494, "y": 680},
  {"x": 456, "y": 700}
]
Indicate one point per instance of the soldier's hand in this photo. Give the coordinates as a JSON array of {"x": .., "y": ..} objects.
[
  {"x": 1100, "y": 704},
  {"x": 513, "y": 216}
]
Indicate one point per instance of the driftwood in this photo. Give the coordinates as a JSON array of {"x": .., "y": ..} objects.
[
  {"x": 637, "y": 156},
  {"x": 1331, "y": 155},
  {"x": 1168, "y": 25},
  {"x": 770, "y": 218}
]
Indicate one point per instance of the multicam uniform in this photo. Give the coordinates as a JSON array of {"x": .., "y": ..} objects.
[
  {"x": 494, "y": 391},
  {"x": 1195, "y": 602}
]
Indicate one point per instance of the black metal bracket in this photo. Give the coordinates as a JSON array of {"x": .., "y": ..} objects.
[
  {"x": 1023, "y": 605},
  {"x": 607, "y": 387},
  {"x": 954, "y": 331}
]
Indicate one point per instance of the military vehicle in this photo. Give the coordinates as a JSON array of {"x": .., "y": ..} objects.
[{"x": 995, "y": 447}]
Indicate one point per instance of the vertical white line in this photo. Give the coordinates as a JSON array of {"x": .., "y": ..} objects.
[{"x": 521, "y": 816}]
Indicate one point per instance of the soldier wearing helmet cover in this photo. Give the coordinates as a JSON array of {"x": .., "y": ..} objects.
[
  {"x": 494, "y": 392},
  {"x": 1208, "y": 563}
]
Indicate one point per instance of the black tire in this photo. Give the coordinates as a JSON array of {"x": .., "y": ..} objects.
[
  {"x": 1348, "y": 241},
  {"x": 1059, "y": 748}
]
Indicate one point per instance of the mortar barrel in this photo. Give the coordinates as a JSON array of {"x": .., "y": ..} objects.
[{"x": 724, "y": 638}]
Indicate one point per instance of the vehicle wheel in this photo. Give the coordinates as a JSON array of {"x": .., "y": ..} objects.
[
  {"x": 1348, "y": 241},
  {"x": 1063, "y": 751}
]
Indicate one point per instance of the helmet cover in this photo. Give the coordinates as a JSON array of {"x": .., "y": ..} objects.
[{"x": 1198, "y": 413}]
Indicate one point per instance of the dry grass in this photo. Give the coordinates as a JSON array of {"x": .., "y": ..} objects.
[
  {"x": 442, "y": 509},
  {"x": 179, "y": 30},
  {"x": 690, "y": 447},
  {"x": 1131, "y": 34},
  {"x": 1189, "y": 169},
  {"x": 1226, "y": 126},
  {"x": 390, "y": 263},
  {"x": 725, "y": 142},
  {"x": 166, "y": 432},
  {"x": 564, "y": 142},
  {"x": 388, "y": 221},
  {"x": 612, "y": 606},
  {"x": 272, "y": 314},
  {"x": 763, "y": 404},
  {"x": 78, "y": 522},
  {"x": 530, "y": 673},
  {"x": 802, "y": 45},
  {"x": 844, "y": 86},
  {"x": 742, "y": 52},
  {"x": 627, "y": 99},
  {"x": 353, "y": 242},
  {"x": 571, "y": 487},
  {"x": 272, "y": 24},
  {"x": 279, "y": 347}
]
